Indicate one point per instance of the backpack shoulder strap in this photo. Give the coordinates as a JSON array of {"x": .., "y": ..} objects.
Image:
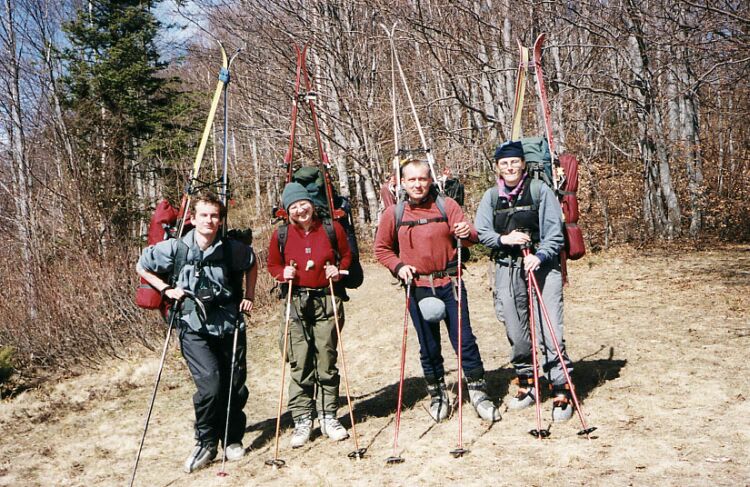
[
  {"x": 331, "y": 232},
  {"x": 228, "y": 255},
  {"x": 235, "y": 278},
  {"x": 494, "y": 196},
  {"x": 399, "y": 214},
  {"x": 282, "y": 233},
  {"x": 536, "y": 193},
  {"x": 180, "y": 259},
  {"x": 440, "y": 202}
]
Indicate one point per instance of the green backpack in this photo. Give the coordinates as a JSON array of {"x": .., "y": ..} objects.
[{"x": 538, "y": 158}]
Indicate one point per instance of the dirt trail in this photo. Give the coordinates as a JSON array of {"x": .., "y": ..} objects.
[{"x": 659, "y": 344}]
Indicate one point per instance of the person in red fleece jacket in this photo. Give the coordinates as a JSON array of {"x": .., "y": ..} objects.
[
  {"x": 312, "y": 331},
  {"x": 422, "y": 251}
]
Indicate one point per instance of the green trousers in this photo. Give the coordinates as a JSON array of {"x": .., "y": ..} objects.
[{"x": 312, "y": 353}]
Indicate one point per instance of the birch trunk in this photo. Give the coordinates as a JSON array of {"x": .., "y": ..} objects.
[{"x": 21, "y": 170}]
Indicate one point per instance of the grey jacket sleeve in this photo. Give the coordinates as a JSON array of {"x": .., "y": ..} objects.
[
  {"x": 159, "y": 258},
  {"x": 550, "y": 225},
  {"x": 483, "y": 221}
]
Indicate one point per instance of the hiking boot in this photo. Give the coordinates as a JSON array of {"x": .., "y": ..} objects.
[
  {"x": 440, "y": 405},
  {"x": 203, "y": 453},
  {"x": 302, "y": 430},
  {"x": 481, "y": 401},
  {"x": 562, "y": 404},
  {"x": 234, "y": 452},
  {"x": 331, "y": 427},
  {"x": 525, "y": 395}
]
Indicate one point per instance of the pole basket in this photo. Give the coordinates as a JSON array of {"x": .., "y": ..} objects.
[
  {"x": 459, "y": 452},
  {"x": 394, "y": 460},
  {"x": 587, "y": 431},
  {"x": 275, "y": 462},
  {"x": 540, "y": 433},
  {"x": 357, "y": 454}
]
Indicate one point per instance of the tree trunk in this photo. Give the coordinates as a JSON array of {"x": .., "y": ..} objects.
[
  {"x": 21, "y": 170},
  {"x": 661, "y": 209}
]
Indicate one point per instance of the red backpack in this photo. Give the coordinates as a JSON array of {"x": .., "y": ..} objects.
[
  {"x": 575, "y": 247},
  {"x": 163, "y": 219}
]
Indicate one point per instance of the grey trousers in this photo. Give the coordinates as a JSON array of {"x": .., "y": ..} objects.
[{"x": 512, "y": 306}]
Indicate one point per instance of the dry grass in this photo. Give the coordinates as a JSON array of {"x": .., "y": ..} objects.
[{"x": 659, "y": 344}]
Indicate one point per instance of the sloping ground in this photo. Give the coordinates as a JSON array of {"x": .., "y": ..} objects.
[{"x": 660, "y": 349}]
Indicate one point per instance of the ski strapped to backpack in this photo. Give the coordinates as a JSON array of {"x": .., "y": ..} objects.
[
  {"x": 317, "y": 181},
  {"x": 398, "y": 161},
  {"x": 168, "y": 222},
  {"x": 559, "y": 173}
]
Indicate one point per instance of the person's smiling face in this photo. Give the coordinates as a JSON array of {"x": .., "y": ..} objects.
[{"x": 511, "y": 169}]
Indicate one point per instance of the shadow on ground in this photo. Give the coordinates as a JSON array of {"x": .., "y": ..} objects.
[{"x": 381, "y": 403}]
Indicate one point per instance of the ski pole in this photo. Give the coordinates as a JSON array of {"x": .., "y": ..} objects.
[
  {"x": 586, "y": 430},
  {"x": 397, "y": 458},
  {"x": 280, "y": 213},
  {"x": 173, "y": 314},
  {"x": 538, "y": 432},
  {"x": 222, "y": 473},
  {"x": 396, "y": 165},
  {"x": 358, "y": 452},
  {"x": 460, "y": 451},
  {"x": 276, "y": 462},
  {"x": 395, "y": 61}
]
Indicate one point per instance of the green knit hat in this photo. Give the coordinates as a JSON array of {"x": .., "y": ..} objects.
[{"x": 294, "y": 192}]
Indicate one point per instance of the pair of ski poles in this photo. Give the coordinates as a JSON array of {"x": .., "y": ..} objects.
[
  {"x": 534, "y": 291},
  {"x": 358, "y": 452},
  {"x": 174, "y": 312},
  {"x": 395, "y": 458}
]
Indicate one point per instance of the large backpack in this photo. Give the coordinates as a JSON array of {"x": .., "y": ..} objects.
[
  {"x": 312, "y": 179},
  {"x": 454, "y": 189},
  {"x": 575, "y": 246},
  {"x": 538, "y": 158},
  {"x": 539, "y": 167},
  {"x": 162, "y": 221}
]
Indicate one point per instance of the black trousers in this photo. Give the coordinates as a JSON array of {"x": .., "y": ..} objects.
[{"x": 209, "y": 359}]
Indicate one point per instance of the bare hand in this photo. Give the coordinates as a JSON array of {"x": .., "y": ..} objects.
[
  {"x": 515, "y": 238},
  {"x": 332, "y": 272},
  {"x": 406, "y": 273},
  {"x": 246, "y": 306},
  {"x": 462, "y": 230},
  {"x": 531, "y": 263},
  {"x": 290, "y": 272},
  {"x": 175, "y": 294}
]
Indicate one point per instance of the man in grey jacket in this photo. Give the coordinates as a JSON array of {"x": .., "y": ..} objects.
[
  {"x": 517, "y": 212},
  {"x": 213, "y": 270}
]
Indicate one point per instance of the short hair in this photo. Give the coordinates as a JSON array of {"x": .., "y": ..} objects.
[
  {"x": 210, "y": 198},
  {"x": 415, "y": 162}
]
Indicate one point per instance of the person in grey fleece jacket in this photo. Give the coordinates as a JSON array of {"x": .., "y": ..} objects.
[
  {"x": 526, "y": 212},
  {"x": 215, "y": 270}
]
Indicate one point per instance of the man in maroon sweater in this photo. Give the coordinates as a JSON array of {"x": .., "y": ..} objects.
[{"x": 422, "y": 250}]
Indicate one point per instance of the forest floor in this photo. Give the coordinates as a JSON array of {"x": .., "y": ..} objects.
[{"x": 659, "y": 343}]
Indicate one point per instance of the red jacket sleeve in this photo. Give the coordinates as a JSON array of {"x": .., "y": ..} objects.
[
  {"x": 343, "y": 243},
  {"x": 275, "y": 263},
  {"x": 384, "y": 240}
]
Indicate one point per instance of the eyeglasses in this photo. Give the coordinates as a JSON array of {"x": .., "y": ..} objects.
[{"x": 516, "y": 162}]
